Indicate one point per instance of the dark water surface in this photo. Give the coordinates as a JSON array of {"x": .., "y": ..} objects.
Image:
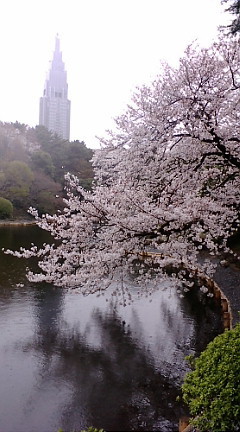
[{"x": 71, "y": 362}]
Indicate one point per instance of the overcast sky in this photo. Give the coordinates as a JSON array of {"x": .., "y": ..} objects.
[{"x": 109, "y": 47}]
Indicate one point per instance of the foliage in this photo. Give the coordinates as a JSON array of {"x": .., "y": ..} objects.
[
  {"x": 66, "y": 156},
  {"x": 33, "y": 162},
  {"x": 166, "y": 185},
  {"x": 6, "y": 208},
  {"x": 18, "y": 179},
  {"x": 93, "y": 429},
  {"x": 234, "y": 8},
  {"x": 212, "y": 389},
  {"x": 43, "y": 161}
]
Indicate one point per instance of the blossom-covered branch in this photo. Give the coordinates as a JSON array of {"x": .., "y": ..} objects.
[{"x": 166, "y": 186}]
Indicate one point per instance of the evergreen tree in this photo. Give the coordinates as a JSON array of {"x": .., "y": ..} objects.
[{"x": 234, "y": 9}]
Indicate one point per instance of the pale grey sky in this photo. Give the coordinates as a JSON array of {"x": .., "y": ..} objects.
[{"x": 109, "y": 47}]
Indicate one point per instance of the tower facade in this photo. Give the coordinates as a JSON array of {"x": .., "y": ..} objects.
[{"x": 54, "y": 111}]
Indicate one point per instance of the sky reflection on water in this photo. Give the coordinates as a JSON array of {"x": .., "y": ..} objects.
[{"x": 71, "y": 361}]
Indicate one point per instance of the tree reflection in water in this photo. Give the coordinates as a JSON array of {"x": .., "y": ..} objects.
[
  {"x": 98, "y": 370},
  {"x": 115, "y": 387},
  {"x": 118, "y": 384}
]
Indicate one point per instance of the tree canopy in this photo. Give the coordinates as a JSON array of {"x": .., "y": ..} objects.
[
  {"x": 33, "y": 162},
  {"x": 234, "y": 8},
  {"x": 166, "y": 185},
  {"x": 212, "y": 389},
  {"x": 6, "y": 208}
]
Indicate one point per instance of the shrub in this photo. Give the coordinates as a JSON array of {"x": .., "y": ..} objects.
[
  {"x": 212, "y": 389},
  {"x": 6, "y": 208}
]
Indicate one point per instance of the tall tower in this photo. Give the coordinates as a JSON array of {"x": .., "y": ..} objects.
[{"x": 54, "y": 111}]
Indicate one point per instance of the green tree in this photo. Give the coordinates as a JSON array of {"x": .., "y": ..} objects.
[
  {"x": 33, "y": 162},
  {"x": 77, "y": 161},
  {"x": 6, "y": 208},
  {"x": 44, "y": 137},
  {"x": 45, "y": 194},
  {"x": 234, "y": 9},
  {"x": 18, "y": 179},
  {"x": 43, "y": 161},
  {"x": 212, "y": 389}
]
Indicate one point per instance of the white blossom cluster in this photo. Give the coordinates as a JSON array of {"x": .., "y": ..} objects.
[{"x": 166, "y": 187}]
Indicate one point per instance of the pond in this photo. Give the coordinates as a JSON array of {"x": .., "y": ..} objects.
[{"x": 70, "y": 362}]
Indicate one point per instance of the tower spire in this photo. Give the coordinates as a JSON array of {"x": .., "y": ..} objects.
[
  {"x": 54, "y": 105},
  {"x": 57, "y": 43}
]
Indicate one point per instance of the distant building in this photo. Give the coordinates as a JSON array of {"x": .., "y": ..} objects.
[{"x": 54, "y": 111}]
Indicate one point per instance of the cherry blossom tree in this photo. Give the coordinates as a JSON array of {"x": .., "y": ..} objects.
[{"x": 167, "y": 186}]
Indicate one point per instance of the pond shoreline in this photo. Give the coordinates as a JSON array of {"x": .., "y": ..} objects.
[
  {"x": 228, "y": 280},
  {"x": 16, "y": 222}
]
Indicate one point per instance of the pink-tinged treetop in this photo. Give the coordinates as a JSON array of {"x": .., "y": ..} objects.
[{"x": 167, "y": 183}]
